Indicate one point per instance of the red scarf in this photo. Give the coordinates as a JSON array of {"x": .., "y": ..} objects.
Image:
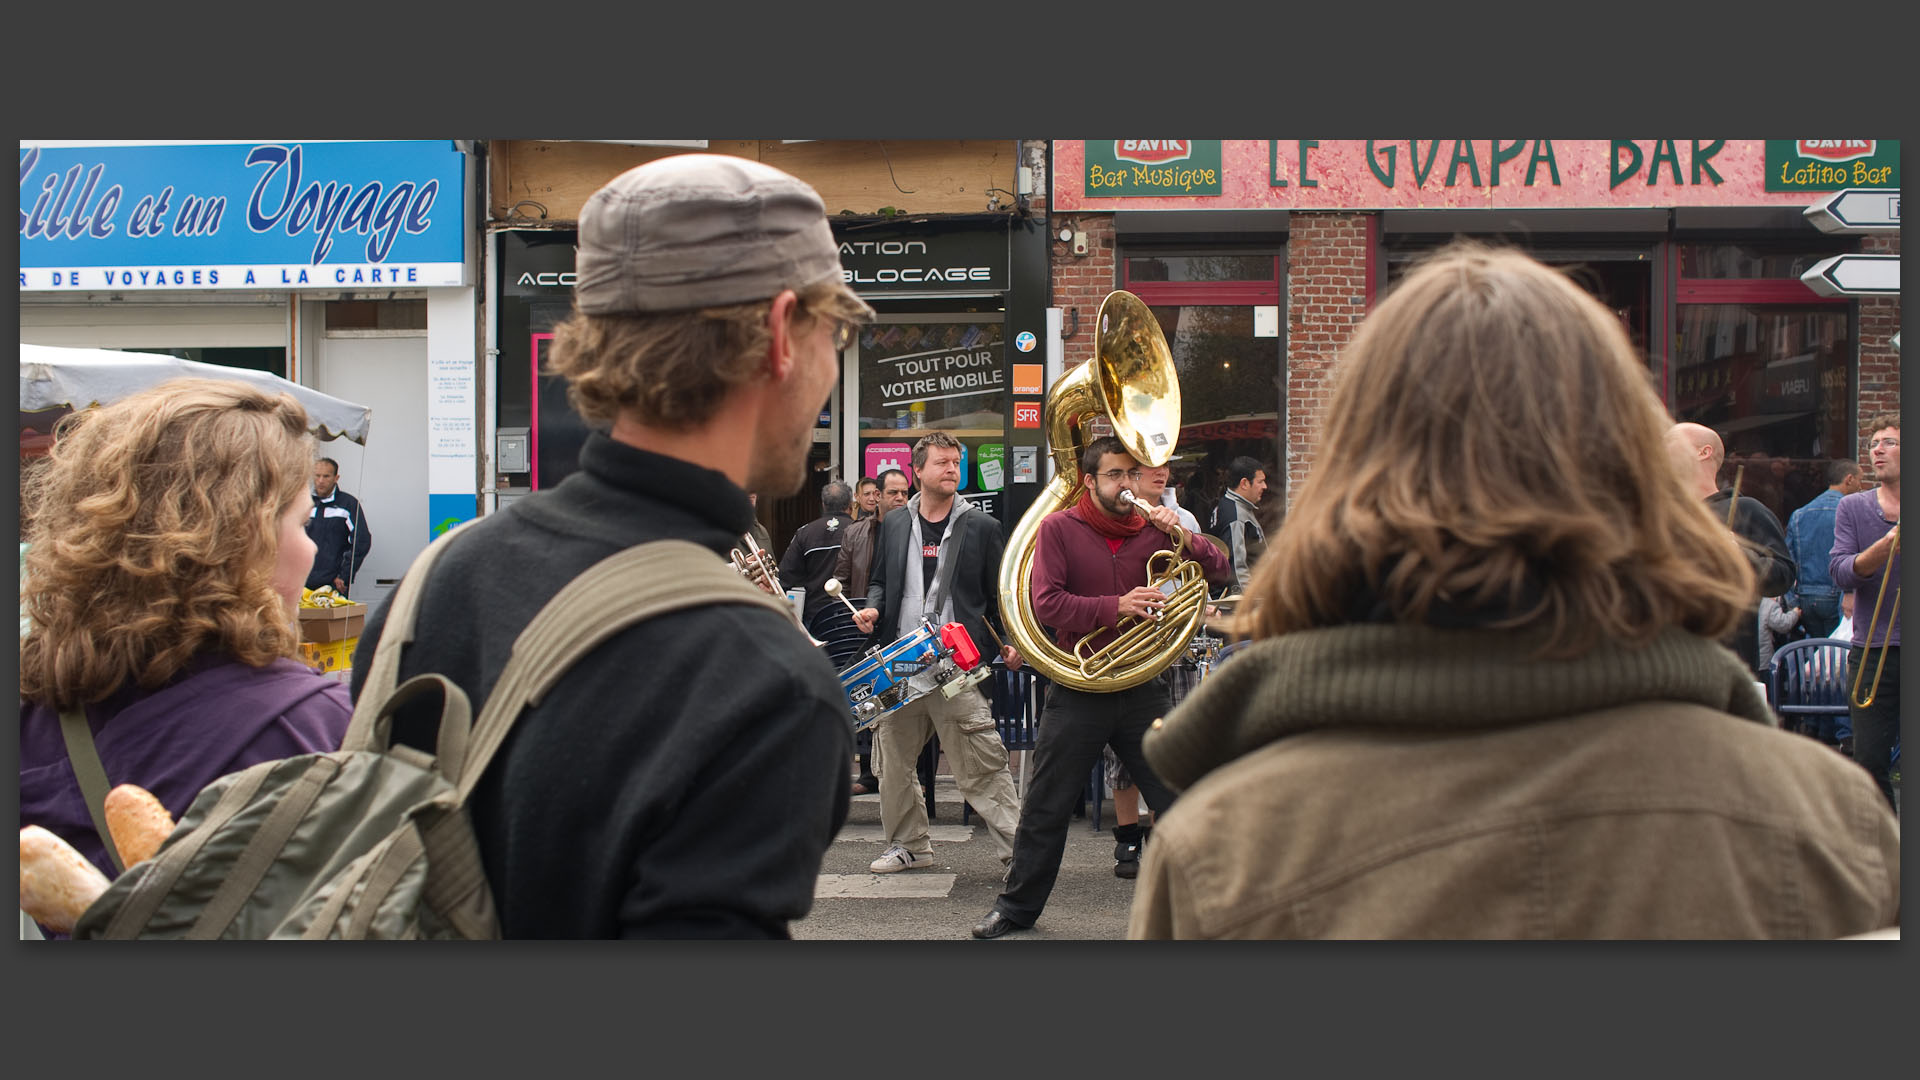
[{"x": 1104, "y": 523}]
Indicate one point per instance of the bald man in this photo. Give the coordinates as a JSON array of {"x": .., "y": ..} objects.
[{"x": 1697, "y": 455}]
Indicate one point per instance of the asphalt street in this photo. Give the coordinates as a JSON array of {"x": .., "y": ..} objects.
[{"x": 944, "y": 900}]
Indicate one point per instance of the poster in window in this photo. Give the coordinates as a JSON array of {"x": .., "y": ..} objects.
[{"x": 920, "y": 377}]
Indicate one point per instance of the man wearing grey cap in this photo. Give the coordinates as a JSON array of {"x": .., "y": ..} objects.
[{"x": 684, "y": 779}]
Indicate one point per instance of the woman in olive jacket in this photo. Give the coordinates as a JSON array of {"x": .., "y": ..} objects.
[{"x": 1484, "y": 697}]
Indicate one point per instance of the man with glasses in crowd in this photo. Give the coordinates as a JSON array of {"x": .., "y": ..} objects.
[
  {"x": 1080, "y": 556},
  {"x": 1866, "y": 529}
]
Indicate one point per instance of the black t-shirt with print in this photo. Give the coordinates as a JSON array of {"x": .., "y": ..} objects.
[{"x": 930, "y": 534}]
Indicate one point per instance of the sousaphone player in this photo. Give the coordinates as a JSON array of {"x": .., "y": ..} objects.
[{"x": 1106, "y": 572}]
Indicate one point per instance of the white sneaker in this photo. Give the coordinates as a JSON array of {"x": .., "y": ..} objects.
[{"x": 899, "y": 858}]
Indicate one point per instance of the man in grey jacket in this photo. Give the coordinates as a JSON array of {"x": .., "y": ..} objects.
[
  {"x": 1236, "y": 521},
  {"x": 938, "y": 559}
]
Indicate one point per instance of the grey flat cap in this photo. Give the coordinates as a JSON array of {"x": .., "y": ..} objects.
[{"x": 700, "y": 230}]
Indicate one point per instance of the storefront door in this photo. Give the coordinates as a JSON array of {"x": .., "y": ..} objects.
[{"x": 1222, "y": 315}]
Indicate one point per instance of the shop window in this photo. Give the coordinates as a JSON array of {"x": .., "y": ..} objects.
[
  {"x": 1141, "y": 269},
  {"x": 1766, "y": 363},
  {"x": 1772, "y": 379},
  {"x": 1620, "y": 278},
  {"x": 376, "y": 315},
  {"x": 926, "y": 373},
  {"x": 272, "y": 360},
  {"x": 1749, "y": 260},
  {"x": 1222, "y": 316},
  {"x": 1230, "y": 396}
]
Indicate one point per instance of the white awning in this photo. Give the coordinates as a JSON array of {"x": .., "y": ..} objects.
[{"x": 53, "y": 378}]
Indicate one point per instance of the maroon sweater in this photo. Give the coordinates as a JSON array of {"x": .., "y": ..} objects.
[{"x": 1078, "y": 577}]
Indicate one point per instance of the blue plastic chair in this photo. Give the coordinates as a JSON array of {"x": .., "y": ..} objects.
[{"x": 1808, "y": 680}]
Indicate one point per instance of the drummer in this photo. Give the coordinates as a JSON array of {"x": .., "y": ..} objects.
[
  {"x": 1128, "y": 834},
  {"x": 936, "y": 560}
]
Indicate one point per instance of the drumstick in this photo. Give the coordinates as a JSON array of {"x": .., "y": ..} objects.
[{"x": 1734, "y": 503}]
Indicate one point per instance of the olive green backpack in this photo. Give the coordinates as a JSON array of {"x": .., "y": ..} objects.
[{"x": 373, "y": 840}]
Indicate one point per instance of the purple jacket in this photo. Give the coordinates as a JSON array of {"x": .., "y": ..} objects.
[
  {"x": 218, "y": 717},
  {"x": 1078, "y": 579},
  {"x": 1857, "y": 524}
]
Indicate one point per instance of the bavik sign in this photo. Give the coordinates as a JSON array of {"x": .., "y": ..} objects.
[
  {"x": 1134, "y": 168},
  {"x": 271, "y": 215},
  {"x": 1465, "y": 174},
  {"x": 1826, "y": 164}
]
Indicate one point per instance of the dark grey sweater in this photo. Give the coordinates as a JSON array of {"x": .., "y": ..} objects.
[{"x": 683, "y": 780}]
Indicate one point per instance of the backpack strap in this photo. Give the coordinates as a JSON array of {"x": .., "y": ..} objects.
[
  {"x": 634, "y": 585},
  {"x": 383, "y": 673},
  {"x": 92, "y": 774}
]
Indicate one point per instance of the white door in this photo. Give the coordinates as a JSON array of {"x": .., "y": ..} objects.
[{"x": 389, "y": 476}]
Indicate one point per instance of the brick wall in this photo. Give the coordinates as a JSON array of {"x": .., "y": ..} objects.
[
  {"x": 1879, "y": 364},
  {"x": 1081, "y": 281},
  {"x": 1326, "y": 296}
]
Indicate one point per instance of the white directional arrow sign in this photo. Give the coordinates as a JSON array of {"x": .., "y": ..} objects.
[
  {"x": 1857, "y": 210},
  {"x": 1855, "y": 275}
]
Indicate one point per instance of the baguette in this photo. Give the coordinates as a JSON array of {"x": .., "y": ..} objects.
[
  {"x": 57, "y": 883},
  {"x": 137, "y": 822}
]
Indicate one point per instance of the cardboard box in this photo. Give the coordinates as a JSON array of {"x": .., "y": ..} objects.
[
  {"x": 329, "y": 656},
  {"x": 338, "y": 623}
]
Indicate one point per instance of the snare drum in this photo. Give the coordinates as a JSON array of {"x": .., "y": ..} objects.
[
  {"x": 919, "y": 663},
  {"x": 877, "y": 683}
]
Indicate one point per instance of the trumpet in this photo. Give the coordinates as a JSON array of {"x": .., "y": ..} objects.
[
  {"x": 1886, "y": 575},
  {"x": 758, "y": 567}
]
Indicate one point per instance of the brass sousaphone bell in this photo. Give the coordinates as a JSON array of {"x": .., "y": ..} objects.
[{"x": 1132, "y": 381}]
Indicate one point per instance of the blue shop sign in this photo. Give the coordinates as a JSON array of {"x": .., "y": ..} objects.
[{"x": 269, "y": 215}]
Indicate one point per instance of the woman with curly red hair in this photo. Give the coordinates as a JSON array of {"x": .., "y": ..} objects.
[{"x": 161, "y": 587}]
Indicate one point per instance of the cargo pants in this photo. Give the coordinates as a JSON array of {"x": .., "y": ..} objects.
[{"x": 964, "y": 724}]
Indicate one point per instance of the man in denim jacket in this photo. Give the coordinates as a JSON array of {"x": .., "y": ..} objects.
[{"x": 1810, "y": 541}]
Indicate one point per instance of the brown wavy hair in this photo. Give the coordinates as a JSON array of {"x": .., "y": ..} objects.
[
  {"x": 1492, "y": 455},
  {"x": 154, "y": 538},
  {"x": 673, "y": 369}
]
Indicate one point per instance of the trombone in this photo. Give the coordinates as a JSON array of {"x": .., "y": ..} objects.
[{"x": 1872, "y": 621}]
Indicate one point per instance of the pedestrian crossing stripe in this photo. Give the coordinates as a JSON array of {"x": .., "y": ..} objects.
[{"x": 905, "y": 885}]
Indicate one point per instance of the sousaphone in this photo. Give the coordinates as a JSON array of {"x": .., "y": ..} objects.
[{"x": 1132, "y": 382}]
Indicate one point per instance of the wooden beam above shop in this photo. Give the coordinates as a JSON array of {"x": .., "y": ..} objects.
[{"x": 864, "y": 176}]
